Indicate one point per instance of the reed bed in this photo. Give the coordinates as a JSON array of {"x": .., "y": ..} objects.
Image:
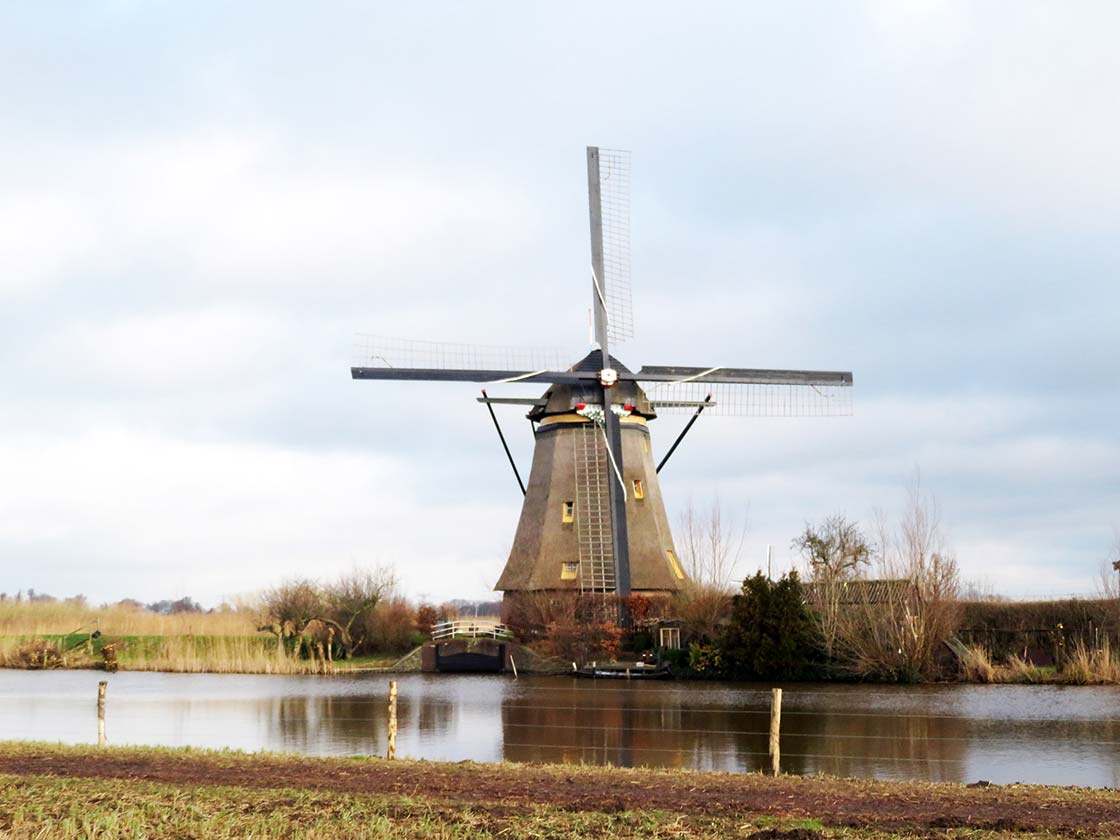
[
  {"x": 221, "y": 655},
  {"x": 178, "y": 654},
  {"x": 976, "y": 665},
  {"x": 1084, "y": 665},
  {"x": 23, "y": 618},
  {"x": 1018, "y": 670},
  {"x": 1087, "y": 665}
]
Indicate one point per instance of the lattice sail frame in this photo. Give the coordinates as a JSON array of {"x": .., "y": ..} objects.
[
  {"x": 750, "y": 399},
  {"x": 614, "y": 193},
  {"x": 382, "y": 351}
]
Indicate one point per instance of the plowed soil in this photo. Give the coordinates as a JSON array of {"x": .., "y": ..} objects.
[{"x": 913, "y": 808}]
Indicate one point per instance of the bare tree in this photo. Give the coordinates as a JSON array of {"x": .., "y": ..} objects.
[
  {"x": 351, "y": 600},
  {"x": 895, "y": 628},
  {"x": 342, "y": 607},
  {"x": 1108, "y": 584},
  {"x": 711, "y": 544},
  {"x": 287, "y": 609},
  {"x": 834, "y": 553}
]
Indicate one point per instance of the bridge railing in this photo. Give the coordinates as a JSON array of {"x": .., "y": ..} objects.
[{"x": 470, "y": 628}]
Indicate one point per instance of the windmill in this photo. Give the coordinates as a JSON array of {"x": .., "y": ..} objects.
[{"x": 593, "y": 519}]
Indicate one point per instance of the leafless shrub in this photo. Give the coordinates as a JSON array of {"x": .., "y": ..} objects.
[
  {"x": 350, "y": 603},
  {"x": 340, "y": 610},
  {"x": 710, "y": 544},
  {"x": 572, "y": 626},
  {"x": 390, "y": 626},
  {"x": 896, "y": 630},
  {"x": 36, "y": 655},
  {"x": 1109, "y": 582},
  {"x": 288, "y": 608}
]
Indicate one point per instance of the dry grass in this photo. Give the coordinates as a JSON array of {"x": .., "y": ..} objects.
[
  {"x": 178, "y": 654},
  {"x": 976, "y": 665},
  {"x": 1018, "y": 670},
  {"x": 221, "y": 655},
  {"x": 34, "y": 655},
  {"x": 59, "y": 617},
  {"x": 1086, "y": 665}
]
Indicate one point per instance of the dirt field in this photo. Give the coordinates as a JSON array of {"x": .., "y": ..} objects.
[{"x": 50, "y": 790}]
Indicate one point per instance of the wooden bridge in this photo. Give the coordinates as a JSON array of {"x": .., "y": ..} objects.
[{"x": 471, "y": 628}]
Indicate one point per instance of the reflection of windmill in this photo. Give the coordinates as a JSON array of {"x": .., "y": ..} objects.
[{"x": 593, "y": 519}]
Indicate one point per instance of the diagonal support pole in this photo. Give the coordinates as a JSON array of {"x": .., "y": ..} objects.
[
  {"x": 684, "y": 432},
  {"x": 505, "y": 446}
]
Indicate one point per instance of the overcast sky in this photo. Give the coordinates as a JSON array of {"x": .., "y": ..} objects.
[{"x": 202, "y": 203}]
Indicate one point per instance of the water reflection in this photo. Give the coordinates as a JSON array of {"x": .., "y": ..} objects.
[{"x": 953, "y": 733}]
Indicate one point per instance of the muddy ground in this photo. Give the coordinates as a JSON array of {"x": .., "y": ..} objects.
[{"x": 919, "y": 808}]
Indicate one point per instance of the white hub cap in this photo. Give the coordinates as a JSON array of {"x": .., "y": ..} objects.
[{"x": 608, "y": 377}]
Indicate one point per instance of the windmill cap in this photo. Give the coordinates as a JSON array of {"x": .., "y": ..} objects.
[
  {"x": 593, "y": 362},
  {"x": 564, "y": 398}
]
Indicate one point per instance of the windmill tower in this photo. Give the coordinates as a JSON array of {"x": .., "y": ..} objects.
[{"x": 593, "y": 519}]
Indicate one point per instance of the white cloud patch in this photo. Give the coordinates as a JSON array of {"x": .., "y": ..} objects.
[
  {"x": 194, "y": 226},
  {"x": 112, "y": 513}
]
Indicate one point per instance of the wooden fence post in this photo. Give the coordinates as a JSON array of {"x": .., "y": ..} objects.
[
  {"x": 101, "y": 686},
  {"x": 392, "y": 719},
  {"x": 775, "y": 731}
]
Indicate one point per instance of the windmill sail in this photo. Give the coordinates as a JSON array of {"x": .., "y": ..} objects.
[
  {"x": 382, "y": 351},
  {"x": 748, "y": 392},
  {"x": 614, "y": 206},
  {"x": 750, "y": 399},
  {"x": 379, "y": 357}
]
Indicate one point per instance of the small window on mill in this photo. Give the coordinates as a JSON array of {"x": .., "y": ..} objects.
[
  {"x": 675, "y": 564},
  {"x": 569, "y": 571},
  {"x": 568, "y": 512},
  {"x": 639, "y": 489}
]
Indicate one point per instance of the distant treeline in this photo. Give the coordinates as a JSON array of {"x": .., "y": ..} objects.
[{"x": 166, "y": 607}]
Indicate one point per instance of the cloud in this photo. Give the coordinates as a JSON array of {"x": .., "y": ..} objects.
[
  {"x": 201, "y": 210},
  {"x": 113, "y": 513}
]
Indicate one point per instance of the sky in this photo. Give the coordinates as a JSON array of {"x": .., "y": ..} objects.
[{"x": 204, "y": 203}]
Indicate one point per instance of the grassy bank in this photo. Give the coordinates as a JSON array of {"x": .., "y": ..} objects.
[
  {"x": 1082, "y": 665},
  {"x": 257, "y": 654},
  {"x": 59, "y": 634},
  {"x": 71, "y": 792}
]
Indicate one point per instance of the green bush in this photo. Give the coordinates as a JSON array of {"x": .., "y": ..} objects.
[
  {"x": 705, "y": 659},
  {"x": 771, "y": 634},
  {"x": 678, "y": 660}
]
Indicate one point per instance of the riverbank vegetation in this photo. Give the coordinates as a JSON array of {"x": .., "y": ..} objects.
[
  {"x": 891, "y": 609},
  {"x": 71, "y": 792},
  {"x": 358, "y": 620}
]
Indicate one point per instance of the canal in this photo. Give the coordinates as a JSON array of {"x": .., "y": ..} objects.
[{"x": 1037, "y": 734}]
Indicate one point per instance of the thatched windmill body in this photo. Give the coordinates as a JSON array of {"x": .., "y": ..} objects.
[{"x": 593, "y": 519}]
